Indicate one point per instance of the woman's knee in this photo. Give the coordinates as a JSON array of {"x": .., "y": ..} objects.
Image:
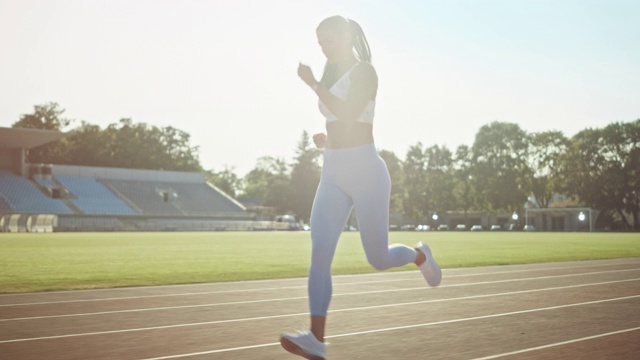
[{"x": 379, "y": 262}]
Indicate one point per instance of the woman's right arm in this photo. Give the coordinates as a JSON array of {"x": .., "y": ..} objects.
[{"x": 364, "y": 86}]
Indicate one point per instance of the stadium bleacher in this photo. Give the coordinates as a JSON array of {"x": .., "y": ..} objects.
[
  {"x": 44, "y": 197},
  {"x": 5, "y": 206},
  {"x": 26, "y": 197},
  {"x": 94, "y": 198},
  {"x": 46, "y": 182},
  {"x": 78, "y": 198},
  {"x": 148, "y": 196},
  {"x": 105, "y": 196},
  {"x": 173, "y": 198},
  {"x": 198, "y": 199}
]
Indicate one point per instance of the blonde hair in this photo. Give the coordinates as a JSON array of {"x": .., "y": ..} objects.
[{"x": 360, "y": 45}]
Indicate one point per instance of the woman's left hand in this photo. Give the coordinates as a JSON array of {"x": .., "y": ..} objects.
[
  {"x": 320, "y": 140},
  {"x": 306, "y": 74}
]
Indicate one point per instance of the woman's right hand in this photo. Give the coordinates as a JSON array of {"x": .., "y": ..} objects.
[
  {"x": 306, "y": 74},
  {"x": 320, "y": 140}
]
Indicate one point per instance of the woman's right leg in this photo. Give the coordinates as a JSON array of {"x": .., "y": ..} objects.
[{"x": 329, "y": 214}]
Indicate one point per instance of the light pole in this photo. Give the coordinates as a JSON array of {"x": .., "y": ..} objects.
[{"x": 582, "y": 217}]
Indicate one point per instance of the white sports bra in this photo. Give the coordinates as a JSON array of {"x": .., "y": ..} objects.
[{"x": 340, "y": 90}]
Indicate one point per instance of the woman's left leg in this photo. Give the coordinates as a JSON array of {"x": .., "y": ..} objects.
[{"x": 371, "y": 203}]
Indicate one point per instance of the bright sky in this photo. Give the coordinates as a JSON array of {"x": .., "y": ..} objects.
[{"x": 225, "y": 71}]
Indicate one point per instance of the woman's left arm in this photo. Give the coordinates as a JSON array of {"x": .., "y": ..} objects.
[{"x": 364, "y": 86}]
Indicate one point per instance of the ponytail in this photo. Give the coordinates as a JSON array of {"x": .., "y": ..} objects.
[{"x": 360, "y": 43}]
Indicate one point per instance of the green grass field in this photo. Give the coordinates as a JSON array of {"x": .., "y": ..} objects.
[{"x": 59, "y": 261}]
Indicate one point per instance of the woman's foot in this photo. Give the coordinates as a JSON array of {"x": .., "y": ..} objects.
[
  {"x": 429, "y": 267},
  {"x": 304, "y": 344}
]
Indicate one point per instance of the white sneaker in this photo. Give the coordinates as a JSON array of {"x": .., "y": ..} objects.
[
  {"x": 304, "y": 344},
  {"x": 430, "y": 268}
]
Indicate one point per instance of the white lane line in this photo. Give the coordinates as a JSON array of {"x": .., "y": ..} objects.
[
  {"x": 215, "y": 351},
  {"x": 542, "y": 347},
  {"x": 306, "y": 314},
  {"x": 245, "y": 302},
  {"x": 304, "y": 287},
  {"x": 406, "y": 327},
  {"x": 412, "y": 273}
]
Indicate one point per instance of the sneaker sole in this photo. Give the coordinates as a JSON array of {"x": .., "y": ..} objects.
[{"x": 297, "y": 350}]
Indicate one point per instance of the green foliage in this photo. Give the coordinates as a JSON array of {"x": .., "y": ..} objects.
[
  {"x": 305, "y": 176},
  {"x": 416, "y": 203},
  {"x": 269, "y": 182},
  {"x": 225, "y": 180},
  {"x": 44, "y": 117},
  {"x": 543, "y": 176},
  {"x": 439, "y": 180},
  {"x": 138, "y": 145},
  {"x": 602, "y": 170},
  {"x": 499, "y": 165},
  {"x": 463, "y": 190},
  {"x": 124, "y": 144}
]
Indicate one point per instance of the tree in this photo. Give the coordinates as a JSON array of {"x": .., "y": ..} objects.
[
  {"x": 602, "y": 170},
  {"x": 178, "y": 150},
  {"x": 305, "y": 176},
  {"x": 140, "y": 146},
  {"x": 84, "y": 146},
  {"x": 499, "y": 158},
  {"x": 269, "y": 181},
  {"x": 545, "y": 151},
  {"x": 416, "y": 204},
  {"x": 225, "y": 180},
  {"x": 44, "y": 117},
  {"x": 439, "y": 181},
  {"x": 463, "y": 190},
  {"x": 124, "y": 144}
]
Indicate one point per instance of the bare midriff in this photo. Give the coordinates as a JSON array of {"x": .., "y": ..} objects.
[{"x": 343, "y": 134}]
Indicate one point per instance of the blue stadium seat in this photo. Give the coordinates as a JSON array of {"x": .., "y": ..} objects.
[
  {"x": 26, "y": 197},
  {"x": 94, "y": 198}
]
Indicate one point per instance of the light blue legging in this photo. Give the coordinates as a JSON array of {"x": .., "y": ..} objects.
[{"x": 351, "y": 178}]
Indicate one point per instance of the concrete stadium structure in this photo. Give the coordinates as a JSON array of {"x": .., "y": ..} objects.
[{"x": 45, "y": 197}]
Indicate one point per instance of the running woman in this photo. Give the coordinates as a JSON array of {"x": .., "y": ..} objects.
[{"x": 353, "y": 177}]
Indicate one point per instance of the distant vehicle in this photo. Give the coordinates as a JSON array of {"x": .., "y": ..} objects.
[
  {"x": 529, "y": 228},
  {"x": 476, "y": 228},
  {"x": 461, "y": 227},
  {"x": 407, "y": 227},
  {"x": 287, "y": 222},
  {"x": 496, "y": 227},
  {"x": 423, "y": 228},
  {"x": 443, "y": 227}
]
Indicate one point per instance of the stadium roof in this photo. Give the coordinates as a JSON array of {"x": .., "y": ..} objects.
[{"x": 23, "y": 138}]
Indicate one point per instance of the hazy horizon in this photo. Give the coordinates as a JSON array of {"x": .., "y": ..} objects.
[{"x": 225, "y": 72}]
